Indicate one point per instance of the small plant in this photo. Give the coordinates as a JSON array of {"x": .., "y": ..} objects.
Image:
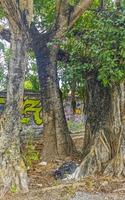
[
  {"x": 31, "y": 154},
  {"x": 13, "y": 188},
  {"x": 56, "y": 182},
  {"x": 69, "y": 190}
]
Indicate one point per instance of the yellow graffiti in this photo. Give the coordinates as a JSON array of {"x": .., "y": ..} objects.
[
  {"x": 2, "y": 100},
  {"x": 32, "y": 106},
  {"x": 77, "y": 111}
]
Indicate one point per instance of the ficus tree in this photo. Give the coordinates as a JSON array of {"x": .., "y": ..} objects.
[
  {"x": 100, "y": 52},
  {"x": 13, "y": 174}
]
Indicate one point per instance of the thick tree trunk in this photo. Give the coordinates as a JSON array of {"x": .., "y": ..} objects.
[
  {"x": 13, "y": 173},
  {"x": 104, "y": 146},
  {"x": 57, "y": 141}
]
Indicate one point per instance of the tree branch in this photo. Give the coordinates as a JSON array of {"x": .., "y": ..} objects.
[
  {"x": 58, "y": 5},
  {"x": 5, "y": 34},
  {"x": 12, "y": 13},
  {"x": 80, "y": 8},
  {"x": 67, "y": 15},
  {"x": 19, "y": 14},
  {"x": 61, "y": 13}
]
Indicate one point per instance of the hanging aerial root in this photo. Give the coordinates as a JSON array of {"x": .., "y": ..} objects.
[
  {"x": 99, "y": 160},
  {"x": 87, "y": 167},
  {"x": 116, "y": 166}
]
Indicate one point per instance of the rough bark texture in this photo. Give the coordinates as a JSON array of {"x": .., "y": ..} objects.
[
  {"x": 103, "y": 150},
  {"x": 57, "y": 140},
  {"x": 12, "y": 168},
  {"x": 13, "y": 174}
]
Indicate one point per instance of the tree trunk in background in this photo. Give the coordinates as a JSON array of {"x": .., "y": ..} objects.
[
  {"x": 73, "y": 98},
  {"x": 57, "y": 141},
  {"x": 104, "y": 146}
]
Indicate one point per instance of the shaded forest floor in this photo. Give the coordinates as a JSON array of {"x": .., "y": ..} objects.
[{"x": 43, "y": 185}]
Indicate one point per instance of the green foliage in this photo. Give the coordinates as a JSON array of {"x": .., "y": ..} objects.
[
  {"x": 97, "y": 43},
  {"x": 72, "y": 72},
  {"x": 1, "y": 46},
  {"x": 2, "y": 14},
  {"x": 31, "y": 154},
  {"x": 73, "y": 2},
  {"x": 5, "y": 55},
  {"x": 28, "y": 85},
  {"x": 31, "y": 80},
  {"x": 13, "y": 189},
  {"x": 44, "y": 13}
]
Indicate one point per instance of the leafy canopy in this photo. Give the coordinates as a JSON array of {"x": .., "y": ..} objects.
[{"x": 97, "y": 43}]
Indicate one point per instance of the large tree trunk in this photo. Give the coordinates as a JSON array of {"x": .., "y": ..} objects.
[
  {"x": 103, "y": 150},
  {"x": 57, "y": 141},
  {"x": 13, "y": 174}
]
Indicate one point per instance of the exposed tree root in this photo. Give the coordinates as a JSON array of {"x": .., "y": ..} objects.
[
  {"x": 116, "y": 166},
  {"x": 99, "y": 160}
]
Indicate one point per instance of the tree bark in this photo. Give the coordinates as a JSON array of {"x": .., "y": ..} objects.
[
  {"x": 12, "y": 168},
  {"x": 104, "y": 148},
  {"x": 13, "y": 174},
  {"x": 57, "y": 141},
  {"x": 73, "y": 93}
]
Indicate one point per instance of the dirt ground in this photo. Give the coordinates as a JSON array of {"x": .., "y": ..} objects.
[
  {"x": 43, "y": 186},
  {"x": 89, "y": 188}
]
